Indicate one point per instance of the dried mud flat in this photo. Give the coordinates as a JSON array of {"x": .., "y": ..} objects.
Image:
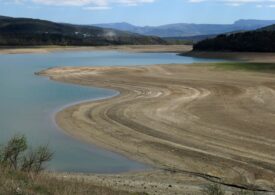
[{"x": 193, "y": 123}]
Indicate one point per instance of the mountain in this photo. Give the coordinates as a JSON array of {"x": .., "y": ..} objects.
[
  {"x": 268, "y": 28},
  {"x": 185, "y": 29},
  {"x": 261, "y": 40},
  {"x": 124, "y": 26},
  {"x": 25, "y": 31},
  {"x": 254, "y": 23}
]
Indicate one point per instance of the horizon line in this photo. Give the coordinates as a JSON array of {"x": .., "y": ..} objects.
[{"x": 120, "y": 22}]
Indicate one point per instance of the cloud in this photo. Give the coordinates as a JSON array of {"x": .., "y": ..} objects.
[
  {"x": 70, "y": 2},
  {"x": 97, "y": 4},
  {"x": 97, "y": 8},
  {"x": 236, "y": 3}
]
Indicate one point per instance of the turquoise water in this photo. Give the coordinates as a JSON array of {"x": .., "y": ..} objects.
[{"x": 28, "y": 103}]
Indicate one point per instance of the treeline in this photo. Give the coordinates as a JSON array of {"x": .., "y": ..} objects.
[
  {"x": 252, "y": 41},
  {"x": 33, "y": 39}
]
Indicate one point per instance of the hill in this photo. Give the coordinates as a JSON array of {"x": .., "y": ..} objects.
[
  {"x": 29, "y": 32},
  {"x": 187, "y": 40},
  {"x": 124, "y": 26},
  {"x": 185, "y": 29},
  {"x": 261, "y": 40}
]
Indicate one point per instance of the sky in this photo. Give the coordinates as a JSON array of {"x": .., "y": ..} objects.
[{"x": 140, "y": 12}]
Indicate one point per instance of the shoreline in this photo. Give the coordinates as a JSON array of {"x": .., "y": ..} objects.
[
  {"x": 126, "y": 48},
  {"x": 158, "y": 181},
  {"x": 183, "y": 50},
  {"x": 59, "y": 109},
  {"x": 253, "y": 57},
  {"x": 97, "y": 77}
]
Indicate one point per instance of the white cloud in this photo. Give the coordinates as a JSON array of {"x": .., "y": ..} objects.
[
  {"x": 236, "y": 3},
  {"x": 97, "y": 8},
  {"x": 91, "y": 3},
  {"x": 70, "y": 2}
]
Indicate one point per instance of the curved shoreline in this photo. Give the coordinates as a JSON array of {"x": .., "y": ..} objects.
[
  {"x": 64, "y": 107},
  {"x": 119, "y": 124},
  {"x": 59, "y": 109}
]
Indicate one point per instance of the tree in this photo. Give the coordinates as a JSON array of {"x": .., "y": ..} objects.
[
  {"x": 33, "y": 162},
  {"x": 11, "y": 153},
  {"x": 14, "y": 155}
]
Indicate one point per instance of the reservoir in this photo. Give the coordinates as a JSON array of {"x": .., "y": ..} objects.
[{"x": 28, "y": 104}]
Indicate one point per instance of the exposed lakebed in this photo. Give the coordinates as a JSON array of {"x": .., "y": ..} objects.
[{"x": 28, "y": 104}]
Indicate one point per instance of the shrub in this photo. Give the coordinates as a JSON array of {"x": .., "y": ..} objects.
[
  {"x": 213, "y": 189},
  {"x": 15, "y": 156},
  {"x": 12, "y": 151},
  {"x": 244, "y": 192}
]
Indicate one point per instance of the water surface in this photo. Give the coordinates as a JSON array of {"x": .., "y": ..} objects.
[{"x": 28, "y": 102}]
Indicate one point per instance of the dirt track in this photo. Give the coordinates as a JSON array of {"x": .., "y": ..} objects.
[{"x": 193, "y": 118}]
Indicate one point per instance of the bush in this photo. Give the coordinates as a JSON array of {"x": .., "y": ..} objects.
[
  {"x": 244, "y": 192},
  {"x": 15, "y": 155},
  {"x": 213, "y": 189}
]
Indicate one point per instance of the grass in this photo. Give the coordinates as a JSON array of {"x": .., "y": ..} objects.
[
  {"x": 263, "y": 67},
  {"x": 21, "y": 173},
  {"x": 21, "y": 183}
]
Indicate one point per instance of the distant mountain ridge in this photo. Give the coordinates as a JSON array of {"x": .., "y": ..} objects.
[
  {"x": 26, "y": 31},
  {"x": 268, "y": 28},
  {"x": 260, "y": 40},
  {"x": 189, "y": 29}
]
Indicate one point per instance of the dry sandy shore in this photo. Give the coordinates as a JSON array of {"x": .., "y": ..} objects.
[
  {"x": 240, "y": 56},
  {"x": 128, "y": 48},
  {"x": 194, "y": 123}
]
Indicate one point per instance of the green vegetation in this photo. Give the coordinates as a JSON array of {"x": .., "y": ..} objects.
[
  {"x": 22, "y": 183},
  {"x": 20, "y": 173},
  {"x": 213, "y": 189},
  {"x": 33, "y": 32},
  {"x": 217, "y": 189},
  {"x": 14, "y": 156},
  {"x": 178, "y": 41},
  {"x": 190, "y": 40},
  {"x": 244, "y": 192},
  {"x": 262, "y": 40},
  {"x": 264, "y": 67}
]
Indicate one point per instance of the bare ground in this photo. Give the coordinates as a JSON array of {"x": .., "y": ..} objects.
[
  {"x": 127, "y": 48},
  {"x": 195, "y": 121}
]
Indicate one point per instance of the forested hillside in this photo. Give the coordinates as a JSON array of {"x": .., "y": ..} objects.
[
  {"x": 30, "y": 32},
  {"x": 262, "y": 40}
]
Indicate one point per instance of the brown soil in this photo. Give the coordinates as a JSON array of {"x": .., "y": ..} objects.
[{"x": 198, "y": 121}]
